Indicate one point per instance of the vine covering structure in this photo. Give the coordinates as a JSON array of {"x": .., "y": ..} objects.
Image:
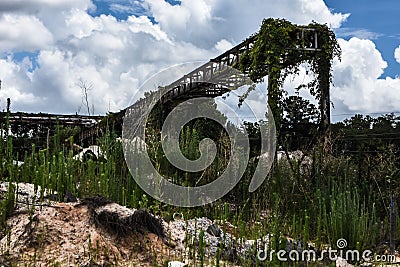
[{"x": 279, "y": 49}]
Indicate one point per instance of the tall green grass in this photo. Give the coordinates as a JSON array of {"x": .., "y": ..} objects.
[{"x": 334, "y": 197}]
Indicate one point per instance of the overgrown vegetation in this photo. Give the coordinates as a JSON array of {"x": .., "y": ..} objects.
[
  {"x": 316, "y": 198},
  {"x": 327, "y": 198},
  {"x": 280, "y": 48}
]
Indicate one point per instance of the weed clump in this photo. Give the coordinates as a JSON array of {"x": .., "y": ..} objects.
[{"x": 113, "y": 222}]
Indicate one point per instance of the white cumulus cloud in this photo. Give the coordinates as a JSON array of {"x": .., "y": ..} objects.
[
  {"x": 205, "y": 22},
  {"x": 14, "y": 77},
  {"x": 111, "y": 56},
  {"x": 115, "y": 56},
  {"x": 358, "y": 85},
  {"x": 22, "y": 33},
  {"x": 397, "y": 54}
]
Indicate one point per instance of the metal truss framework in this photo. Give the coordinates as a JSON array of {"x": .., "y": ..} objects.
[
  {"x": 214, "y": 79},
  {"x": 208, "y": 80}
]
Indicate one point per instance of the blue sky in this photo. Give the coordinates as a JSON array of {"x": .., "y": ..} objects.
[
  {"x": 48, "y": 48},
  {"x": 379, "y": 20}
]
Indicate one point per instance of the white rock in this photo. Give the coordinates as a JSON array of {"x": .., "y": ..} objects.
[
  {"x": 340, "y": 262},
  {"x": 96, "y": 150},
  {"x": 18, "y": 163},
  {"x": 176, "y": 264}
]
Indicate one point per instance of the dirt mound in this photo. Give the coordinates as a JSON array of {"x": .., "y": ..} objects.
[{"x": 95, "y": 232}]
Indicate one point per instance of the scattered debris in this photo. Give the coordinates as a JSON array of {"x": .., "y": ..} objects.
[{"x": 185, "y": 234}]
